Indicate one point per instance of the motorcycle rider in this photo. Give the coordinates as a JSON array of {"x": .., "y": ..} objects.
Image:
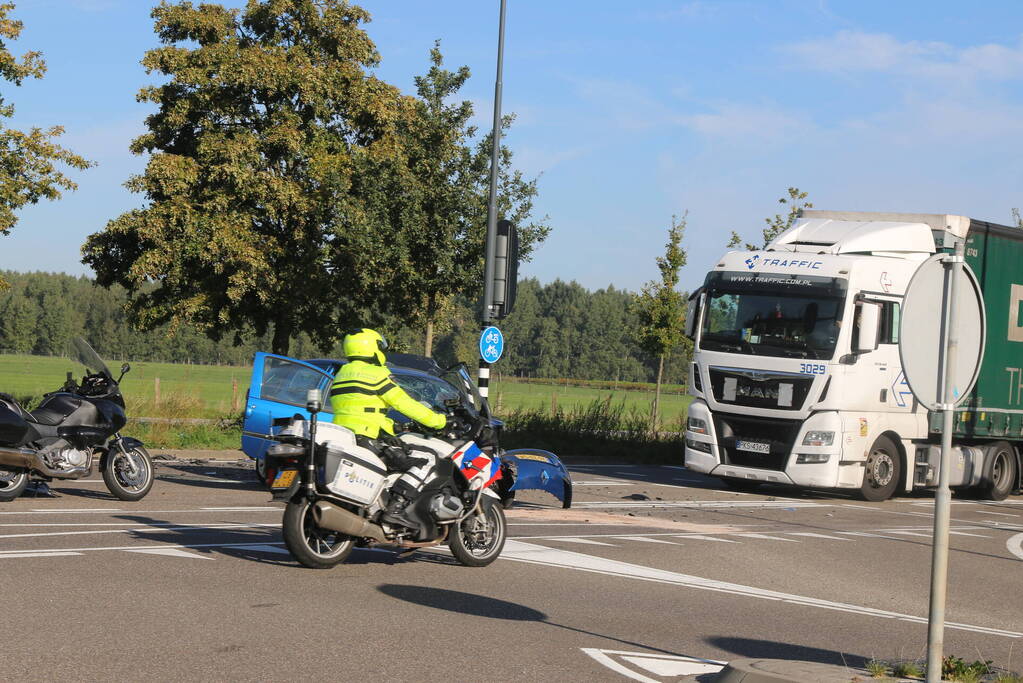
[{"x": 360, "y": 397}]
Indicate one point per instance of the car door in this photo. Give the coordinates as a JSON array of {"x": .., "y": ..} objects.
[{"x": 278, "y": 389}]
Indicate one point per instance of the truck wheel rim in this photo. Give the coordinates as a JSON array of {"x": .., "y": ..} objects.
[
  {"x": 882, "y": 467},
  {"x": 1000, "y": 470}
]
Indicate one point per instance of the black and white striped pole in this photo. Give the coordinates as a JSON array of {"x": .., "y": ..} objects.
[{"x": 491, "y": 249}]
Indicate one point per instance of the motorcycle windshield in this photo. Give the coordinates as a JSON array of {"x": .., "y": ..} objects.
[
  {"x": 459, "y": 377},
  {"x": 84, "y": 354}
]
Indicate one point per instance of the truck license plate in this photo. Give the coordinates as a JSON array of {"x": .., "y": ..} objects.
[
  {"x": 753, "y": 446},
  {"x": 283, "y": 479}
]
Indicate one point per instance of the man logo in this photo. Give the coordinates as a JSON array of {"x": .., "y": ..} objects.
[
  {"x": 751, "y": 262},
  {"x": 1016, "y": 313}
]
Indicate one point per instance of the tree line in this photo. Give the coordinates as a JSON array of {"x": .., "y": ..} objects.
[{"x": 558, "y": 330}]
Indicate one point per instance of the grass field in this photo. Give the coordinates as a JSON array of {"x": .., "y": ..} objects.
[{"x": 209, "y": 390}]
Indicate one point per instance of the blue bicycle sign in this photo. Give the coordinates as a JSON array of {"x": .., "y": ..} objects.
[{"x": 491, "y": 344}]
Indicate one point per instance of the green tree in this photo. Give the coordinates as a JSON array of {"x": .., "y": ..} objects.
[
  {"x": 781, "y": 222},
  {"x": 265, "y": 204},
  {"x": 18, "y": 317},
  {"x": 446, "y": 202},
  {"x": 28, "y": 160},
  {"x": 661, "y": 308}
]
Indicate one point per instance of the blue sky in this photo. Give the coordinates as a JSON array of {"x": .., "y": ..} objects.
[{"x": 628, "y": 112}]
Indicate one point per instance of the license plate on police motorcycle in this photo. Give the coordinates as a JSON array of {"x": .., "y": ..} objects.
[
  {"x": 284, "y": 479},
  {"x": 753, "y": 446}
]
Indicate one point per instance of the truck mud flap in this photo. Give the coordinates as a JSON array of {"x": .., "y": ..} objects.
[{"x": 533, "y": 468}]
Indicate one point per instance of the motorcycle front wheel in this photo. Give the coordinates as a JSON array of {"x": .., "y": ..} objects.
[
  {"x": 478, "y": 539},
  {"x": 128, "y": 474},
  {"x": 313, "y": 546},
  {"x": 12, "y": 484}
]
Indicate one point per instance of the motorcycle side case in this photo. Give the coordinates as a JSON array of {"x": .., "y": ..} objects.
[
  {"x": 533, "y": 468},
  {"x": 13, "y": 427}
]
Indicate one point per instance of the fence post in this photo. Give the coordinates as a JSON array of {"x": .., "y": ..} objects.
[
  {"x": 234, "y": 395},
  {"x": 156, "y": 391},
  {"x": 554, "y": 403}
]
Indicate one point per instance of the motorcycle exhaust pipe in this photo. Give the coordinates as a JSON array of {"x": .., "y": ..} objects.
[
  {"x": 27, "y": 459},
  {"x": 332, "y": 517}
]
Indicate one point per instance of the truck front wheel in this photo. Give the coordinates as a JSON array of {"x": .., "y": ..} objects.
[
  {"x": 882, "y": 471},
  {"x": 999, "y": 472}
]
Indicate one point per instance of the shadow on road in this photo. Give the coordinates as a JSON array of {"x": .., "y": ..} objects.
[
  {"x": 493, "y": 608},
  {"x": 772, "y": 649}
]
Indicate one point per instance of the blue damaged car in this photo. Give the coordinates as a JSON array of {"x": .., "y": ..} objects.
[{"x": 278, "y": 391}]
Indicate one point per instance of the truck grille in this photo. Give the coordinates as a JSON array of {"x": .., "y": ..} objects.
[
  {"x": 760, "y": 389},
  {"x": 778, "y": 435}
]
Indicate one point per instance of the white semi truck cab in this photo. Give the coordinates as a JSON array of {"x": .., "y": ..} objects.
[{"x": 796, "y": 370}]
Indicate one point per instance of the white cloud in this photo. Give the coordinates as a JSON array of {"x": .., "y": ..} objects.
[
  {"x": 857, "y": 52},
  {"x": 735, "y": 122}
]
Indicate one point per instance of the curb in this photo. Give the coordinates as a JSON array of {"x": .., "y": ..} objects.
[{"x": 787, "y": 671}]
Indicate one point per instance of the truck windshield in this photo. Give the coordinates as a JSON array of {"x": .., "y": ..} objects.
[{"x": 772, "y": 314}]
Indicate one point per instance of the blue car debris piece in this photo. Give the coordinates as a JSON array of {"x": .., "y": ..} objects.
[{"x": 279, "y": 386}]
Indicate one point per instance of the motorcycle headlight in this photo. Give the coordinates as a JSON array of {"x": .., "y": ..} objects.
[
  {"x": 701, "y": 446},
  {"x": 818, "y": 438},
  {"x": 695, "y": 424}
]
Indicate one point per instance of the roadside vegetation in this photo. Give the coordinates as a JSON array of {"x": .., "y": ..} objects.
[
  {"x": 174, "y": 405},
  {"x": 953, "y": 668}
]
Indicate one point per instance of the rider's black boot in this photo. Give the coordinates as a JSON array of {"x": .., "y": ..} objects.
[{"x": 393, "y": 513}]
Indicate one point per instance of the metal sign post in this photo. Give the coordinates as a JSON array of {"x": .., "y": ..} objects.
[
  {"x": 489, "y": 265},
  {"x": 941, "y": 366}
]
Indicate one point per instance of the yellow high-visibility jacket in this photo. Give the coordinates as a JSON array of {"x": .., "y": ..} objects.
[{"x": 362, "y": 394}]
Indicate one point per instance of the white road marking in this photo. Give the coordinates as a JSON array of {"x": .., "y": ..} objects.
[
  {"x": 195, "y": 527},
  {"x": 768, "y": 538},
  {"x": 646, "y": 539},
  {"x": 589, "y": 505},
  {"x": 863, "y": 533},
  {"x": 87, "y": 549},
  {"x": 518, "y": 551},
  {"x": 699, "y": 537},
  {"x": 264, "y": 548},
  {"x": 601, "y": 483},
  {"x": 587, "y": 524},
  {"x": 657, "y": 664},
  {"x": 77, "y": 510},
  {"x": 169, "y": 552},
  {"x": 585, "y": 541},
  {"x": 999, "y": 514},
  {"x": 963, "y": 533},
  {"x": 810, "y": 534},
  {"x": 61, "y": 511},
  {"x": 38, "y": 553},
  {"x": 1015, "y": 545},
  {"x": 909, "y": 533}
]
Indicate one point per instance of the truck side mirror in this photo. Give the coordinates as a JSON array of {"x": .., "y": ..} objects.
[
  {"x": 868, "y": 318},
  {"x": 693, "y": 313}
]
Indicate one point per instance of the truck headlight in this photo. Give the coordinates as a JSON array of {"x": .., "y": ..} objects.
[
  {"x": 695, "y": 424},
  {"x": 811, "y": 458},
  {"x": 818, "y": 438},
  {"x": 701, "y": 446}
]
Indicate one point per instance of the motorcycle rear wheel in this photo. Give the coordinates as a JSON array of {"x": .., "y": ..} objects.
[
  {"x": 128, "y": 476},
  {"x": 12, "y": 484},
  {"x": 313, "y": 546},
  {"x": 478, "y": 539}
]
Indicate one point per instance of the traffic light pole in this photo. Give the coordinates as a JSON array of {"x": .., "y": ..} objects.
[{"x": 489, "y": 268}]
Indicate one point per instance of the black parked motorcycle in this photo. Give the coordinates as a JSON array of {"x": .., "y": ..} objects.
[{"x": 73, "y": 425}]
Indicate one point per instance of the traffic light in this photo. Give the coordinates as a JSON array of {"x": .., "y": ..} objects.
[{"x": 506, "y": 268}]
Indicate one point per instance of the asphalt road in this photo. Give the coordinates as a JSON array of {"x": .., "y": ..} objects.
[{"x": 653, "y": 570}]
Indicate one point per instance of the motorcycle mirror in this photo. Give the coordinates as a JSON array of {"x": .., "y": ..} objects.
[
  {"x": 312, "y": 401},
  {"x": 124, "y": 371}
]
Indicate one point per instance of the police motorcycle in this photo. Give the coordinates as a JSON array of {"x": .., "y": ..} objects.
[
  {"x": 71, "y": 427},
  {"x": 337, "y": 491}
]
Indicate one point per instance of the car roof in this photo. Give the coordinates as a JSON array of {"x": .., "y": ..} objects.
[{"x": 332, "y": 364}]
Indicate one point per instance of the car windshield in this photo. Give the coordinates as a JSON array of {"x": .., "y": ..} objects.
[
  {"x": 772, "y": 314},
  {"x": 84, "y": 354}
]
